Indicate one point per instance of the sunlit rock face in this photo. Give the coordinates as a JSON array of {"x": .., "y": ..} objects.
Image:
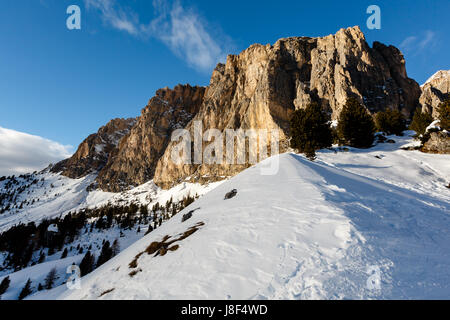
[
  {"x": 435, "y": 91},
  {"x": 258, "y": 89},
  {"x": 262, "y": 86}
]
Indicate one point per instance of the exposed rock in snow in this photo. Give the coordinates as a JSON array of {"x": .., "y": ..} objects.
[{"x": 439, "y": 142}]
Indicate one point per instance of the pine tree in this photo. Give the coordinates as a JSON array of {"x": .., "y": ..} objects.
[
  {"x": 144, "y": 210},
  {"x": 356, "y": 126},
  {"x": 421, "y": 120},
  {"x": 28, "y": 255},
  {"x": 150, "y": 229},
  {"x": 64, "y": 254},
  {"x": 115, "y": 247},
  {"x": 310, "y": 130},
  {"x": 26, "y": 291},
  {"x": 390, "y": 122},
  {"x": 50, "y": 279},
  {"x": 41, "y": 257},
  {"x": 40, "y": 287},
  {"x": 105, "y": 254},
  {"x": 87, "y": 264},
  {"x": 4, "y": 285},
  {"x": 444, "y": 114}
]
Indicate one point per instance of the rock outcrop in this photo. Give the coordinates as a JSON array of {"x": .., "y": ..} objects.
[
  {"x": 435, "y": 91},
  {"x": 134, "y": 161},
  {"x": 259, "y": 89},
  {"x": 262, "y": 86},
  {"x": 439, "y": 142},
  {"x": 93, "y": 153}
]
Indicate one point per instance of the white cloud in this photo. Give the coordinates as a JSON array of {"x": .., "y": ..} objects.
[
  {"x": 185, "y": 34},
  {"x": 112, "y": 14},
  {"x": 181, "y": 29},
  {"x": 21, "y": 152},
  {"x": 418, "y": 44},
  {"x": 408, "y": 42},
  {"x": 427, "y": 40}
]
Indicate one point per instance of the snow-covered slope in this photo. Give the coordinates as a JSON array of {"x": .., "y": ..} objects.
[
  {"x": 55, "y": 195},
  {"x": 51, "y": 196},
  {"x": 316, "y": 230}
]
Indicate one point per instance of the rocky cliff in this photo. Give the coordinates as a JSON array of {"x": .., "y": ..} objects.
[
  {"x": 135, "y": 159},
  {"x": 93, "y": 153},
  {"x": 435, "y": 91},
  {"x": 263, "y": 85},
  {"x": 259, "y": 89}
]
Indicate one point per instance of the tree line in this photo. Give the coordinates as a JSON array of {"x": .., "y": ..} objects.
[{"x": 356, "y": 127}]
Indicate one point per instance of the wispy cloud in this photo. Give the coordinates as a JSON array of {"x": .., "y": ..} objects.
[
  {"x": 427, "y": 40},
  {"x": 181, "y": 29},
  {"x": 418, "y": 44},
  {"x": 185, "y": 33},
  {"x": 408, "y": 42},
  {"x": 21, "y": 152},
  {"x": 115, "y": 16}
]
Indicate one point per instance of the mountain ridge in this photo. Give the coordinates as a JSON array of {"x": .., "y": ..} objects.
[{"x": 260, "y": 88}]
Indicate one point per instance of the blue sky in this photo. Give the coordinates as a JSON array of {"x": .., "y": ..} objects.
[{"x": 64, "y": 84}]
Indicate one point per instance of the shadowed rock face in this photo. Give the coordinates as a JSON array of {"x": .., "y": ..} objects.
[
  {"x": 435, "y": 91},
  {"x": 93, "y": 153},
  {"x": 259, "y": 89},
  {"x": 134, "y": 161}
]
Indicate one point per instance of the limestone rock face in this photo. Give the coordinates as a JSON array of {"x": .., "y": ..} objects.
[
  {"x": 262, "y": 86},
  {"x": 134, "y": 161},
  {"x": 343, "y": 65},
  {"x": 435, "y": 91},
  {"x": 439, "y": 142},
  {"x": 259, "y": 89},
  {"x": 93, "y": 153}
]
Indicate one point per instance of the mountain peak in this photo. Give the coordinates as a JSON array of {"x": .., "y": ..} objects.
[
  {"x": 260, "y": 88},
  {"x": 434, "y": 91},
  {"x": 438, "y": 76}
]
